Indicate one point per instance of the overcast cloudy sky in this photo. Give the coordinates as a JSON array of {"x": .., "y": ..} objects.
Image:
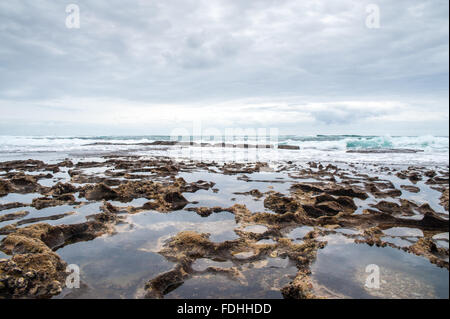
[{"x": 146, "y": 67}]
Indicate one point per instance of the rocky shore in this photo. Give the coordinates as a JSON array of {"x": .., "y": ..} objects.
[{"x": 360, "y": 203}]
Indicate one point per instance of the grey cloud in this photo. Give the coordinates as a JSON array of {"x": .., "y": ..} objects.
[{"x": 208, "y": 51}]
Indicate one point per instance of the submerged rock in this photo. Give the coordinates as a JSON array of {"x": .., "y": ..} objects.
[
  {"x": 175, "y": 200},
  {"x": 206, "y": 211},
  {"x": 254, "y": 192},
  {"x": 427, "y": 248},
  {"x": 44, "y": 202},
  {"x": 61, "y": 189},
  {"x": 100, "y": 192},
  {"x": 25, "y": 184},
  {"x": 330, "y": 189},
  {"x": 280, "y": 203},
  {"x": 11, "y": 206},
  {"x": 35, "y": 270},
  {"x": 375, "y": 191},
  {"x": 13, "y": 216},
  {"x": 444, "y": 199},
  {"x": 5, "y": 187},
  {"x": 411, "y": 188}
]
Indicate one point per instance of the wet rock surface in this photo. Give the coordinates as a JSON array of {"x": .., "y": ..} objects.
[
  {"x": 359, "y": 204},
  {"x": 35, "y": 270}
]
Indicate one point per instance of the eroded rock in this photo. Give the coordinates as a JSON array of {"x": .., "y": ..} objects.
[
  {"x": 13, "y": 216},
  {"x": 35, "y": 270},
  {"x": 280, "y": 203}
]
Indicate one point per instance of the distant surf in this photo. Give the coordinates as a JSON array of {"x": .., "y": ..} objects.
[{"x": 398, "y": 149}]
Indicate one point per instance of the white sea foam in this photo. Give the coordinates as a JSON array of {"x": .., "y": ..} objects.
[{"x": 433, "y": 149}]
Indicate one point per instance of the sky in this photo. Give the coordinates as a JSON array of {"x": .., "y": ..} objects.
[{"x": 148, "y": 67}]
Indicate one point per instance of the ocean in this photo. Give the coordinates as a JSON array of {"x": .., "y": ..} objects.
[{"x": 342, "y": 148}]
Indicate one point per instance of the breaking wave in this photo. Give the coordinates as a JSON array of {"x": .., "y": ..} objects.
[{"x": 431, "y": 148}]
